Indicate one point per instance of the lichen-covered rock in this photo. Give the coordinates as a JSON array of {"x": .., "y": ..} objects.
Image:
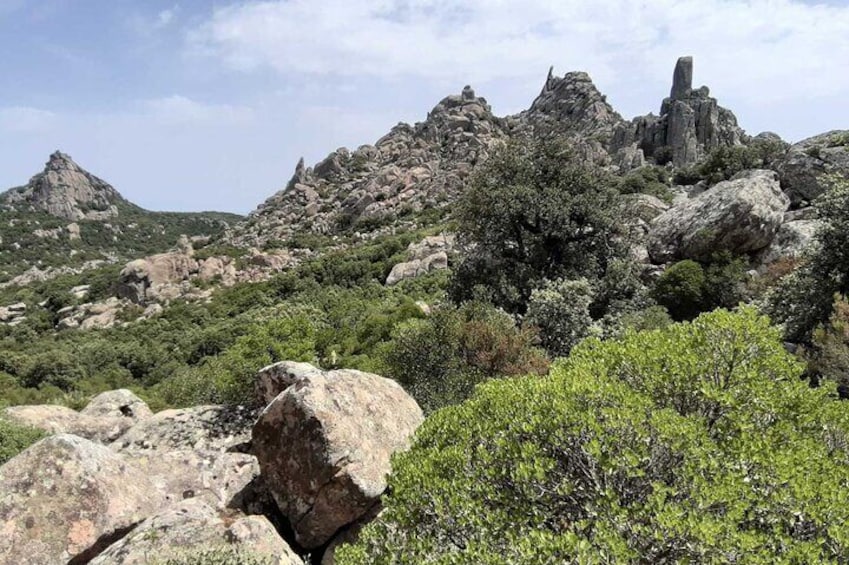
[
  {"x": 430, "y": 254},
  {"x": 57, "y": 419},
  {"x": 807, "y": 167},
  {"x": 156, "y": 277},
  {"x": 195, "y": 453},
  {"x": 791, "y": 241},
  {"x": 193, "y": 525},
  {"x": 120, "y": 403},
  {"x": 324, "y": 447},
  {"x": 276, "y": 378},
  {"x": 741, "y": 215},
  {"x": 66, "y": 498}
]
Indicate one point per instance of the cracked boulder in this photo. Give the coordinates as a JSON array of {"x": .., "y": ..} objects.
[
  {"x": 66, "y": 498},
  {"x": 324, "y": 446}
]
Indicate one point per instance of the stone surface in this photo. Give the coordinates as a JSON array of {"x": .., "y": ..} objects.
[
  {"x": 120, "y": 403},
  {"x": 791, "y": 241},
  {"x": 324, "y": 446},
  {"x": 57, "y": 419},
  {"x": 807, "y": 167},
  {"x": 193, "y": 525},
  {"x": 66, "y": 498},
  {"x": 741, "y": 215},
  {"x": 196, "y": 453},
  {"x": 276, "y": 378},
  {"x": 156, "y": 277},
  {"x": 682, "y": 78},
  {"x": 430, "y": 254}
]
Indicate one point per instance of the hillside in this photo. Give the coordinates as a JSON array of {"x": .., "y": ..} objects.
[
  {"x": 65, "y": 219},
  {"x": 559, "y": 336}
]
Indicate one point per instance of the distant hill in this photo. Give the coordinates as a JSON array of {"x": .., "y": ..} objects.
[{"x": 65, "y": 218}]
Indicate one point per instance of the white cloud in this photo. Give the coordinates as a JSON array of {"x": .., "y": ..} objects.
[
  {"x": 759, "y": 49},
  {"x": 23, "y": 119},
  {"x": 166, "y": 17},
  {"x": 180, "y": 110}
]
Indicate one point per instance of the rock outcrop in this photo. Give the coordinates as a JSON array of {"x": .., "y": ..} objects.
[
  {"x": 430, "y": 254},
  {"x": 120, "y": 403},
  {"x": 741, "y": 215},
  {"x": 57, "y": 419},
  {"x": 65, "y": 499},
  {"x": 65, "y": 190},
  {"x": 690, "y": 125},
  {"x": 810, "y": 165},
  {"x": 324, "y": 446},
  {"x": 193, "y": 525}
]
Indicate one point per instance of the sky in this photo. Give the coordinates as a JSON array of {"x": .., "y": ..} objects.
[{"x": 208, "y": 104}]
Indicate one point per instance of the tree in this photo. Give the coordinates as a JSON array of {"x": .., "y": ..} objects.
[
  {"x": 561, "y": 310},
  {"x": 534, "y": 212},
  {"x": 666, "y": 446}
]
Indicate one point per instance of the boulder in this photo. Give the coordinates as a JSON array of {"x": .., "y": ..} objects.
[
  {"x": 57, "y": 419},
  {"x": 193, "y": 526},
  {"x": 791, "y": 242},
  {"x": 741, "y": 215},
  {"x": 324, "y": 446},
  {"x": 808, "y": 166},
  {"x": 645, "y": 206},
  {"x": 276, "y": 378},
  {"x": 120, "y": 403},
  {"x": 65, "y": 499},
  {"x": 196, "y": 453},
  {"x": 156, "y": 276}
]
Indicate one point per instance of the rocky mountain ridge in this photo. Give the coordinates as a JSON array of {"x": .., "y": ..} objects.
[{"x": 421, "y": 167}]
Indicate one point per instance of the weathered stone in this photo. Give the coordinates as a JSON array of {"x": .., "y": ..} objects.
[
  {"x": 810, "y": 165},
  {"x": 147, "y": 279},
  {"x": 324, "y": 446},
  {"x": 57, "y": 419},
  {"x": 193, "y": 526},
  {"x": 741, "y": 215},
  {"x": 682, "y": 78},
  {"x": 276, "y": 378},
  {"x": 120, "y": 403},
  {"x": 65, "y": 498},
  {"x": 792, "y": 241}
]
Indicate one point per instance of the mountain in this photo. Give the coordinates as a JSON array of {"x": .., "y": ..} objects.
[
  {"x": 419, "y": 169},
  {"x": 66, "y": 219}
]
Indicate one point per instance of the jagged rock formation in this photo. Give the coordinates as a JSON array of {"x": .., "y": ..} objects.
[
  {"x": 690, "y": 125},
  {"x": 806, "y": 169},
  {"x": 65, "y": 190},
  {"x": 409, "y": 169}
]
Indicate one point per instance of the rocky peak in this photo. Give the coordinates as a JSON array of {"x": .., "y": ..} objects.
[
  {"x": 571, "y": 104},
  {"x": 66, "y": 190},
  {"x": 690, "y": 125}
]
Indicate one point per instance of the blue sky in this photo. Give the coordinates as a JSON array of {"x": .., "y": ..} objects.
[{"x": 196, "y": 105}]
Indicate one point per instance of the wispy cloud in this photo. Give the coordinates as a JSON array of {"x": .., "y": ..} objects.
[
  {"x": 180, "y": 110},
  {"x": 761, "y": 48},
  {"x": 23, "y": 119}
]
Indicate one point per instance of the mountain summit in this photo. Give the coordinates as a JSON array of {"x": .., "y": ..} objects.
[{"x": 66, "y": 190}]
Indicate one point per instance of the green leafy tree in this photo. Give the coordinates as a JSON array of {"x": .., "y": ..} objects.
[
  {"x": 561, "y": 310},
  {"x": 534, "y": 212},
  {"x": 666, "y": 446}
]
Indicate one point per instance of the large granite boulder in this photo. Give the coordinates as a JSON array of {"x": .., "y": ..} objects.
[
  {"x": 196, "y": 452},
  {"x": 57, "y": 419},
  {"x": 809, "y": 165},
  {"x": 193, "y": 527},
  {"x": 430, "y": 254},
  {"x": 324, "y": 446},
  {"x": 792, "y": 241},
  {"x": 66, "y": 498},
  {"x": 157, "y": 277},
  {"x": 120, "y": 403},
  {"x": 741, "y": 215}
]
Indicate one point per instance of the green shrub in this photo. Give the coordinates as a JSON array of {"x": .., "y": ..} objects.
[
  {"x": 439, "y": 360},
  {"x": 668, "y": 446},
  {"x": 680, "y": 289},
  {"x": 14, "y": 438},
  {"x": 651, "y": 180},
  {"x": 561, "y": 311}
]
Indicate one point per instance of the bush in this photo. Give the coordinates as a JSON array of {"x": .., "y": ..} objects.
[
  {"x": 439, "y": 360},
  {"x": 667, "y": 446},
  {"x": 688, "y": 288},
  {"x": 651, "y": 180},
  {"x": 561, "y": 310},
  {"x": 14, "y": 438}
]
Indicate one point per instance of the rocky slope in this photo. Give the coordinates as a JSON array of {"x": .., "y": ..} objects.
[
  {"x": 66, "y": 219},
  {"x": 419, "y": 167}
]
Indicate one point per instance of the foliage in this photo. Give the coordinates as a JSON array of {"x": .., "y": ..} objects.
[
  {"x": 804, "y": 299},
  {"x": 688, "y": 288},
  {"x": 667, "y": 446},
  {"x": 725, "y": 161},
  {"x": 650, "y": 179},
  {"x": 14, "y": 438},
  {"x": 439, "y": 360},
  {"x": 534, "y": 212},
  {"x": 561, "y": 310},
  {"x": 828, "y": 358}
]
